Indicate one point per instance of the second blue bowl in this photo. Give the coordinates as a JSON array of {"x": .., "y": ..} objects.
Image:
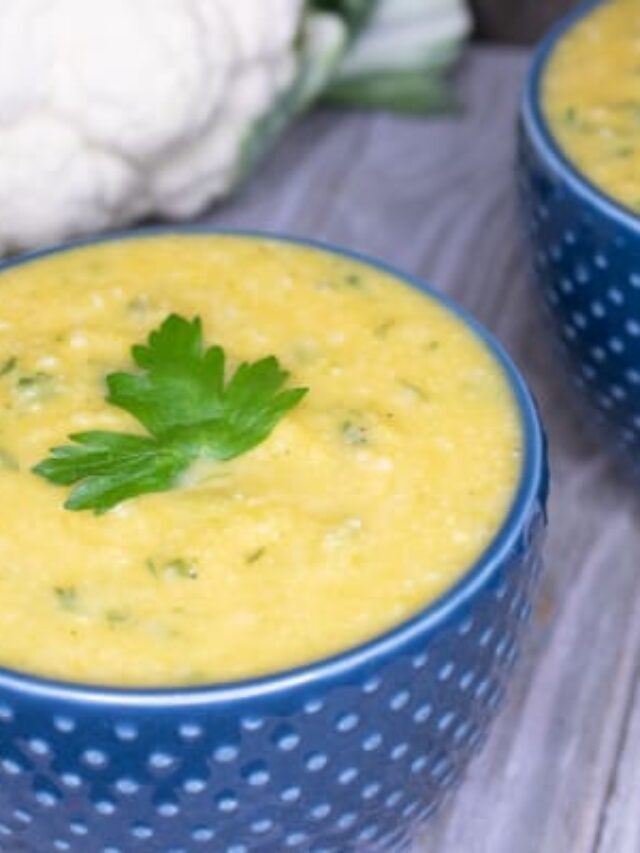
[{"x": 586, "y": 251}]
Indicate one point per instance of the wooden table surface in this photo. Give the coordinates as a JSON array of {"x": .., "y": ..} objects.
[{"x": 561, "y": 772}]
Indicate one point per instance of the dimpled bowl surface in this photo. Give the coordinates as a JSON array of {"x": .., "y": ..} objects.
[
  {"x": 586, "y": 252},
  {"x": 350, "y": 753}
]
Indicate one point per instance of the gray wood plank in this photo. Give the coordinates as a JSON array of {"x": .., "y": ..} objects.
[
  {"x": 620, "y": 827},
  {"x": 436, "y": 197}
]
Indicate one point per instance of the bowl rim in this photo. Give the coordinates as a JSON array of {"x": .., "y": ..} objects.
[
  {"x": 532, "y": 484},
  {"x": 541, "y": 135}
]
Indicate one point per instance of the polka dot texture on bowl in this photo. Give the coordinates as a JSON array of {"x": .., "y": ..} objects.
[
  {"x": 350, "y": 761},
  {"x": 587, "y": 263}
]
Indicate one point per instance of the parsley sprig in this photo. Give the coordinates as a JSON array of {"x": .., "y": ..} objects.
[{"x": 181, "y": 399}]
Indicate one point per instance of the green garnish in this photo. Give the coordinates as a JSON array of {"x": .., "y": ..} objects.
[
  {"x": 139, "y": 309},
  {"x": 353, "y": 280},
  {"x": 182, "y": 401},
  {"x": 7, "y": 366},
  {"x": 176, "y": 568},
  {"x": 353, "y": 432},
  {"x": 67, "y": 597},
  {"x": 384, "y": 328},
  {"x": 36, "y": 386},
  {"x": 116, "y": 617},
  {"x": 254, "y": 556}
]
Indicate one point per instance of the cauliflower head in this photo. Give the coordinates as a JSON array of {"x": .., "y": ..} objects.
[
  {"x": 116, "y": 110},
  {"x": 113, "y": 110}
]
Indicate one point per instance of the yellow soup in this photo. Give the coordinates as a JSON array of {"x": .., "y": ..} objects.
[
  {"x": 592, "y": 98},
  {"x": 367, "y": 501}
]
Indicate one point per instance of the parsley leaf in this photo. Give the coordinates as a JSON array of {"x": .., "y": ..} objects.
[{"x": 180, "y": 397}]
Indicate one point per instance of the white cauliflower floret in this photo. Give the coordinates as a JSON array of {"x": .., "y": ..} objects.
[
  {"x": 63, "y": 186},
  {"x": 114, "y": 110},
  {"x": 111, "y": 110}
]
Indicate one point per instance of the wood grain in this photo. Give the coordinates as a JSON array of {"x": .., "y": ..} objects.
[{"x": 436, "y": 197}]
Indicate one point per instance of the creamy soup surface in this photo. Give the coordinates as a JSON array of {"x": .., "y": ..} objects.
[
  {"x": 592, "y": 98},
  {"x": 367, "y": 501}
]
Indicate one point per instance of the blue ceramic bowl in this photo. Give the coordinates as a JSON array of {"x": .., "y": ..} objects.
[
  {"x": 349, "y": 753},
  {"x": 586, "y": 250}
]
